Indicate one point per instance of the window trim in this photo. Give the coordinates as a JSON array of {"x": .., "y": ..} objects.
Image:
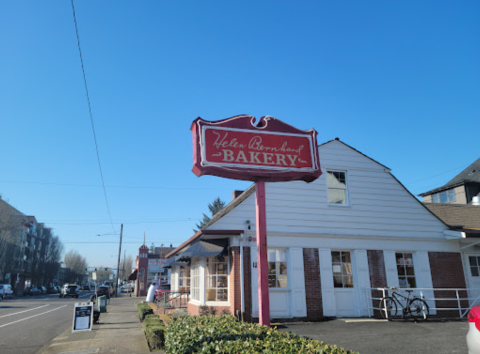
[
  {"x": 346, "y": 189},
  {"x": 406, "y": 276}
]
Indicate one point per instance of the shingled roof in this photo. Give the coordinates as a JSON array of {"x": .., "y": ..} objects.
[
  {"x": 457, "y": 216},
  {"x": 469, "y": 175}
]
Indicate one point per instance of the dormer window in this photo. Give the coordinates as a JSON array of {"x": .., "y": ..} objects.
[
  {"x": 337, "y": 187},
  {"x": 444, "y": 197}
]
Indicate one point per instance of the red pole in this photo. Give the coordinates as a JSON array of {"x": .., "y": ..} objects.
[{"x": 262, "y": 262}]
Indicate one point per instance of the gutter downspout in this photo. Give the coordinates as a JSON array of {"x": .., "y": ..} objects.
[{"x": 242, "y": 295}]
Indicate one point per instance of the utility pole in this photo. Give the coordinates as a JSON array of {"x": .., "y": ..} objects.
[{"x": 119, "y": 255}]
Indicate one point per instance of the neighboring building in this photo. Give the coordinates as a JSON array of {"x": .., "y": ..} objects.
[
  {"x": 462, "y": 189},
  {"x": 329, "y": 242},
  {"x": 148, "y": 265},
  {"x": 26, "y": 249}
]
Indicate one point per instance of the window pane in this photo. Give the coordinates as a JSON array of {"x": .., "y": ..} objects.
[
  {"x": 282, "y": 281},
  {"x": 222, "y": 295},
  {"x": 346, "y": 257},
  {"x": 211, "y": 295},
  {"x": 336, "y": 179},
  {"x": 347, "y": 269},
  {"x": 451, "y": 195},
  {"x": 348, "y": 282},
  {"x": 401, "y": 270},
  {"x": 337, "y": 268},
  {"x": 473, "y": 261},
  {"x": 435, "y": 198},
  {"x": 410, "y": 270},
  {"x": 271, "y": 256},
  {"x": 222, "y": 282},
  {"x": 474, "y": 271},
  {"x": 443, "y": 197},
  {"x": 281, "y": 267},
  {"x": 412, "y": 283},
  {"x": 272, "y": 281},
  {"x": 335, "y": 256},
  {"x": 402, "y": 281},
  {"x": 271, "y": 268},
  {"x": 337, "y": 196},
  {"x": 337, "y": 281}
]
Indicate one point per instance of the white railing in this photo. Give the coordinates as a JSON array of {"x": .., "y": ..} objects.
[{"x": 426, "y": 294}]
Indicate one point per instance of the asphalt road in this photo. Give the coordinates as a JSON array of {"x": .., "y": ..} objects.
[
  {"x": 29, "y": 323},
  {"x": 395, "y": 337}
]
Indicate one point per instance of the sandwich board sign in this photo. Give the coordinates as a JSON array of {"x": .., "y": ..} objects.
[
  {"x": 82, "y": 317},
  {"x": 270, "y": 151}
]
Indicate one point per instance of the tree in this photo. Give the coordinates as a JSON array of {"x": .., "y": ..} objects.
[
  {"x": 152, "y": 249},
  {"x": 126, "y": 266},
  {"x": 214, "y": 208},
  {"x": 76, "y": 263},
  {"x": 53, "y": 252}
]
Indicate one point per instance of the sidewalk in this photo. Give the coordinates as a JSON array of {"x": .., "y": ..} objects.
[{"x": 119, "y": 331}]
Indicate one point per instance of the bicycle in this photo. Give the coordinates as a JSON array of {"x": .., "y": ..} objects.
[{"x": 415, "y": 306}]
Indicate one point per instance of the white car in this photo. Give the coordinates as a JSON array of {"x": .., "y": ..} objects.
[
  {"x": 8, "y": 291},
  {"x": 473, "y": 335}
]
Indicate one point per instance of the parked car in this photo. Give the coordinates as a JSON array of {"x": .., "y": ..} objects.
[
  {"x": 162, "y": 289},
  {"x": 111, "y": 284},
  {"x": 103, "y": 290},
  {"x": 31, "y": 290},
  {"x": 8, "y": 291},
  {"x": 127, "y": 288},
  {"x": 42, "y": 289},
  {"x": 52, "y": 290},
  {"x": 86, "y": 287},
  {"x": 69, "y": 290}
]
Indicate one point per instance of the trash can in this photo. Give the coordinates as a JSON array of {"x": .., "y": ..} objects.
[{"x": 102, "y": 304}]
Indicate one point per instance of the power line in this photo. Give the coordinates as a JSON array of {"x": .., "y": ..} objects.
[{"x": 91, "y": 115}]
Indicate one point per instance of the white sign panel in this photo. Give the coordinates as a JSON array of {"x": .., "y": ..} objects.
[
  {"x": 156, "y": 265},
  {"x": 82, "y": 317}
]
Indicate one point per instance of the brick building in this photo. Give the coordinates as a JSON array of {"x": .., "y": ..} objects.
[{"x": 330, "y": 242}]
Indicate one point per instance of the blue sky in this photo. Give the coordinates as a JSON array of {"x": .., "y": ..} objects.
[{"x": 399, "y": 81}]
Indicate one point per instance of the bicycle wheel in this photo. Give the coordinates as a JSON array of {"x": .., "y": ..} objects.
[
  {"x": 387, "y": 304},
  {"x": 419, "y": 309}
]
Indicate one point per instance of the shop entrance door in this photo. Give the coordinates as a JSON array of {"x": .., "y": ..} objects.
[
  {"x": 472, "y": 262},
  {"x": 344, "y": 284}
]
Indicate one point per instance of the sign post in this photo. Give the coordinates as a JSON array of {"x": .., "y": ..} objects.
[{"x": 271, "y": 151}]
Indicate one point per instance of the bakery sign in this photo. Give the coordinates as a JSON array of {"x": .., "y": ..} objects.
[{"x": 270, "y": 150}]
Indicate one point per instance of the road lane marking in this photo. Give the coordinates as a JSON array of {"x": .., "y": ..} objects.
[
  {"x": 27, "y": 318},
  {"x": 16, "y": 313}
]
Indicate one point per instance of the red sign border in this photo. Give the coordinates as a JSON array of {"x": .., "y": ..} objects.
[{"x": 265, "y": 125}]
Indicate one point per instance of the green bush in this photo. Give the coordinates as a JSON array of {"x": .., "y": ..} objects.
[
  {"x": 155, "y": 336},
  {"x": 224, "y": 334},
  {"x": 143, "y": 310}
]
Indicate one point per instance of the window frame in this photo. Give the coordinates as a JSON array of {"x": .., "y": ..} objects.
[
  {"x": 277, "y": 266},
  {"x": 346, "y": 189},
  {"x": 195, "y": 280},
  {"x": 405, "y": 275},
  {"x": 477, "y": 266},
  {"x": 216, "y": 288},
  {"x": 184, "y": 278},
  {"x": 341, "y": 263}
]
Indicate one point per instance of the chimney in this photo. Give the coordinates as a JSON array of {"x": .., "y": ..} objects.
[
  {"x": 235, "y": 194},
  {"x": 171, "y": 245}
]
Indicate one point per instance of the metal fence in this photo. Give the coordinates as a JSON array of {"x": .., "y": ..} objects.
[
  {"x": 173, "y": 300},
  {"x": 438, "y": 299}
]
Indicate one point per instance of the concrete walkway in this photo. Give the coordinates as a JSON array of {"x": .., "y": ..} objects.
[{"x": 119, "y": 331}]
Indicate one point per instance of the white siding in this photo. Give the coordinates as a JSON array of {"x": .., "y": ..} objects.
[{"x": 379, "y": 205}]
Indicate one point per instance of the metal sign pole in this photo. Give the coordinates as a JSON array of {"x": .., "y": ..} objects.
[{"x": 262, "y": 261}]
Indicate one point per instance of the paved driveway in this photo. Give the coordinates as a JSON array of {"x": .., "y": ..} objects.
[{"x": 379, "y": 337}]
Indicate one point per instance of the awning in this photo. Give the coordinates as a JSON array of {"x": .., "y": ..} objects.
[
  {"x": 173, "y": 263},
  {"x": 201, "y": 249},
  {"x": 133, "y": 276}
]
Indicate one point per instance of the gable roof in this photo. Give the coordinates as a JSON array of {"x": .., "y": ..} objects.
[
  {"x": 469, "y": 175},
  {"x": 457, "y": 216},
  {"x": 350, "y": 147}
]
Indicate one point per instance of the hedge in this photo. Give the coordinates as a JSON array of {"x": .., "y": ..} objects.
[
  {"x": 154, "y": 331},
  {"x": 224, "y": 334},
  {"x": 143, "y": 310}
]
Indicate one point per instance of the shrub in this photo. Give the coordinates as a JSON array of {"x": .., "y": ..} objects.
[
  {"x": 180, "y": 313},
  {"x": 143, "y": 310},
  {"x": 224, "y": 334},
  {"x": 155, "y": 336},
  {"x": 204, "y": 310}
]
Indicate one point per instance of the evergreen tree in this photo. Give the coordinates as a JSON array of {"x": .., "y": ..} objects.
[{"x": 214, "y": 208}]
